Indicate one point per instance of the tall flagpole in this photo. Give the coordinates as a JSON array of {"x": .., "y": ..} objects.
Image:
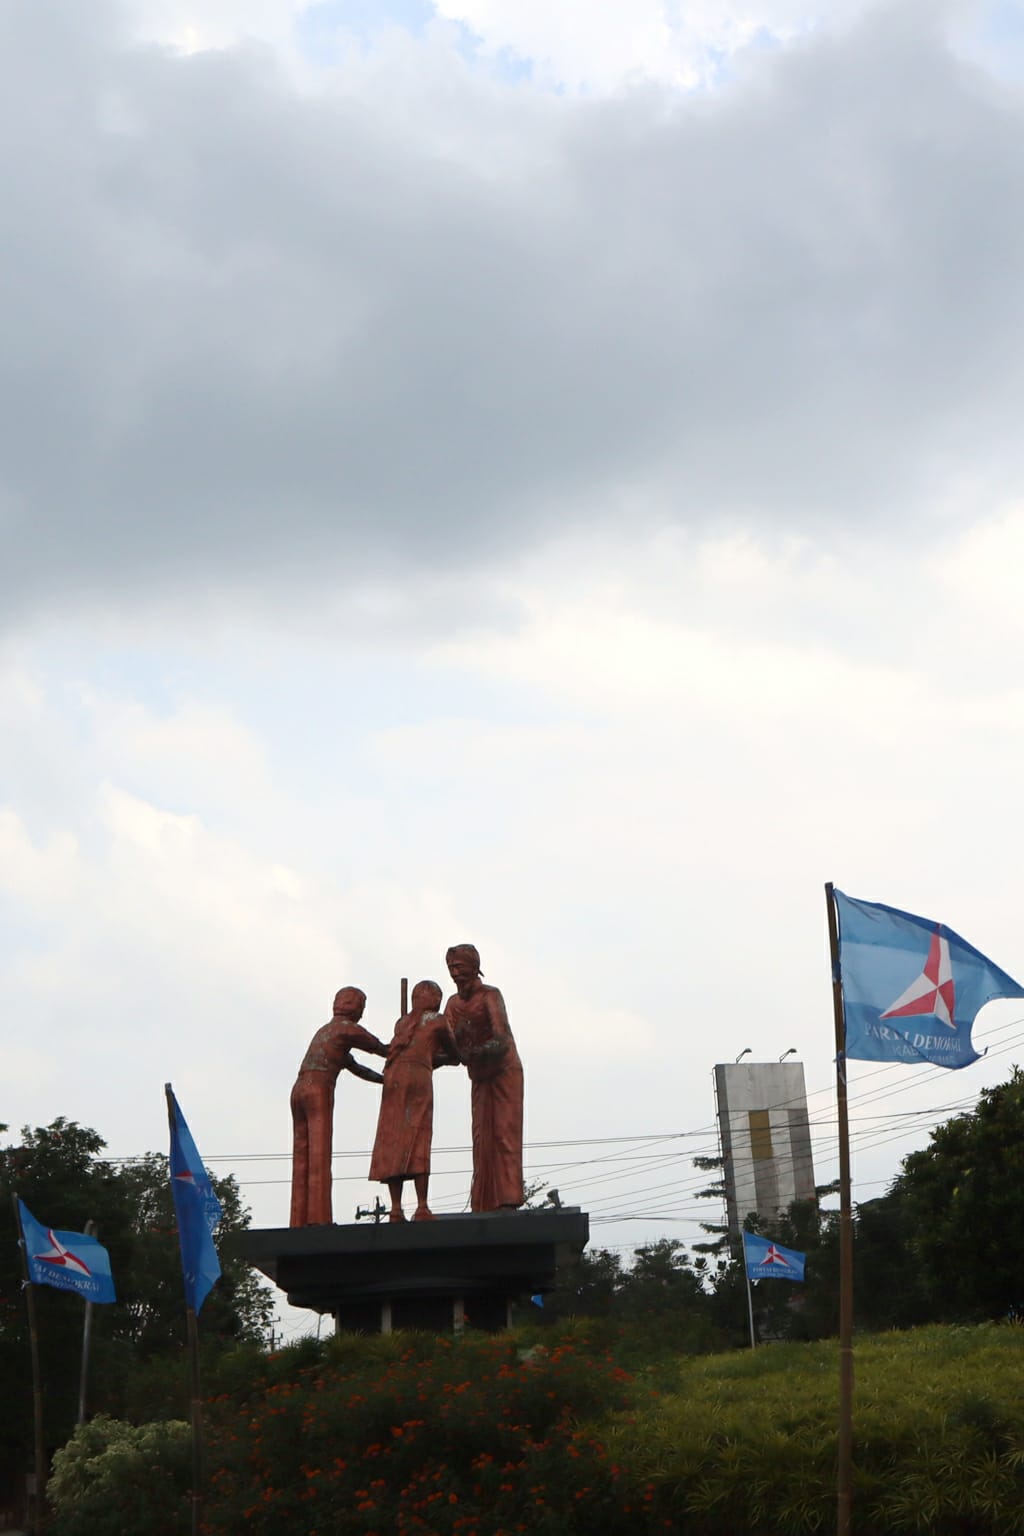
[
  {"x": 39, "y": 1449},
  {"x": 844, "y": 1470},
  {"x": 750, "y": 1301},
  {"x": 83, "y": 1379},
  {"x": 197, "y": 1420},
  {"x": 195, "y": 1397}
]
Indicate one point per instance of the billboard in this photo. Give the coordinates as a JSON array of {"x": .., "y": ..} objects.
[{"x": 765, "y": 1136}]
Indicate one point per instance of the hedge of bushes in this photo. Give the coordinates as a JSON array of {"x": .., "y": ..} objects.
[
  {"x": 421, "y": 1434},
  {"x": 417, "y": 1435},
  {"x": 746, "y": 1442}
]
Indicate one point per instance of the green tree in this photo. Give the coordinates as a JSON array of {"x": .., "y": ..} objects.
[
  {"x": 663, "y": 1277},
  {"x": 887, "y": 1280},
  {"x": 783, "y": 1309},
  {"x": 959, "y": 1204},
  {"x": 589, "y": 1286},
  {"x": 138, "y": 1362},
  {"x": 57, "y": 1172},
  {"x": 717, "y": 1231}
]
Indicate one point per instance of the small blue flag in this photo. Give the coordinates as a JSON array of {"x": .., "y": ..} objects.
[
  {"x": 911, "y": 987},
  {"x": 766, "y": 1260},
  {"x": 72, "y": 1261},
  {"x": 197, "y": 1208}
]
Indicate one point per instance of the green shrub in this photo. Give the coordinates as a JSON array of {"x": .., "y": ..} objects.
[
  {"x": 117, "y": 1479},
  {"x": 747, "y": 1442}
]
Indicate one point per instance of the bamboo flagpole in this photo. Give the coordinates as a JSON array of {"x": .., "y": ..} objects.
[
  {"x": 905, "y": 989},
  {"x": 198, "y": 1211},
  {"x": 83, "y": 1378},
  {"x": 69, "y": 1261},
  {"x": 844, "y": 1467},
  {"x": 196, "y": 1418},
  {"x": 38, "y": 1447},
  {"x": 192, "y": 1342}
]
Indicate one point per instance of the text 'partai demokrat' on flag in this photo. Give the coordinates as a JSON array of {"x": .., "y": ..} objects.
[
  {"x": 71, "y": 1261},
  {"x": 197, "y": 1209},
  {"x": 911, "y": 987},
  {"x": 766, "y": 1260}
]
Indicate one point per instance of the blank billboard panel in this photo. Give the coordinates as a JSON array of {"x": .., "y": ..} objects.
[{"x": 766, "y": 1138}]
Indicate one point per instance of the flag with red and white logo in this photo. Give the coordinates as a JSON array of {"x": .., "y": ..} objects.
[
  {"x": 766, "y": 1260},
  {"x": 911, "y": 987},
  {"x": 71, "y": 1261}
]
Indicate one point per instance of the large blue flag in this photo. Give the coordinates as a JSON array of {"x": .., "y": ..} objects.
[
  {"x": 72, "y": 1261},
  {"x": 197, "y": 1208},
  {"x": 911, "y": 987},
  {"x": 766, "y": 1260}
]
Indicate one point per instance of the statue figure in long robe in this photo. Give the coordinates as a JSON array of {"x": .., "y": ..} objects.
[
  {"x": 401, "y": 1150},
  {"x": 312, "y": 1104},
  {"x": 483, "y": 1040}
]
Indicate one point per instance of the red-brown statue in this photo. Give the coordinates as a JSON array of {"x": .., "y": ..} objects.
[
  {"x": 402, "y": 1149},
  {"x": 313, "y": 1104},
  {"x": 483, "y": 1040}
]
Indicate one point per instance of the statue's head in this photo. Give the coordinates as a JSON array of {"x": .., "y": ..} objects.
[
  {"x": 463, "y": 961},
  {"x": 426, "y": 995},
  {"x": 349, "y": 1004}
]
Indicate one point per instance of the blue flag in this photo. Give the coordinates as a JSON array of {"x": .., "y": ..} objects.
[
  {"x": 72, "y": 1261},
  {"x": 766, "y": 1260},
  {"x": 911, "y": 987},
  {"x": 197, "y": 1208}
]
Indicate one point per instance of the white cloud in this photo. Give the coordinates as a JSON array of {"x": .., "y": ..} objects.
[
  {"x": 196, "y": 25},
  {"x": 415, "y": 320},
  {"x": 34, "y": 874},
  {"x": 601, "y": 48},
  {"x": 193, "y": 755}
]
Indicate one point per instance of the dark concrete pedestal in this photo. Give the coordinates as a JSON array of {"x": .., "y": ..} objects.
[{"x": 441, "y": 1275}]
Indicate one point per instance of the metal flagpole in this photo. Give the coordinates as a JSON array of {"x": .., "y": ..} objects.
[
  {"x": 750, "y": 1299},
  {"x": 90, "y": 1228},
  {"x": 39, "y": 1451},
  {"x": 844, "y": 1469}
]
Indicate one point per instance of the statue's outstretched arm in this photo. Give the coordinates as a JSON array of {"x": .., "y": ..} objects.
[
  {"x": 445, "y": 1051},
  {"x": 366, "y": 1073}
]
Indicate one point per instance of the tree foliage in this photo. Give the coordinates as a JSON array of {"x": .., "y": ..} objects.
[
  {"x": 948, "y": 1237},
  {"x": 138, "y": 1367}
]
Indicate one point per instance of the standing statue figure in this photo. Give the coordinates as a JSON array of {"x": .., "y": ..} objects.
[
  {"x": 313, "y": 1104},
  {"x": 483, "y": 1040},
  {"x": 405, "y": 1127}
]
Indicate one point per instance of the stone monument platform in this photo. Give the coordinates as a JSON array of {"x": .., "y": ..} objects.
[{"x": 443, "y": 1275}]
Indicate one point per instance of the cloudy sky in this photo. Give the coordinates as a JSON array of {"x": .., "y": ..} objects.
[{"x": 512, "y": 470}]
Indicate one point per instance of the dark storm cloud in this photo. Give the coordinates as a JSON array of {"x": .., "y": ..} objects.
[{"x": 423, "y": 318}]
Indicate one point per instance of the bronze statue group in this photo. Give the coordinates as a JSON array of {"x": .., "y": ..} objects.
[{"x": 471, "y": 1030}]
